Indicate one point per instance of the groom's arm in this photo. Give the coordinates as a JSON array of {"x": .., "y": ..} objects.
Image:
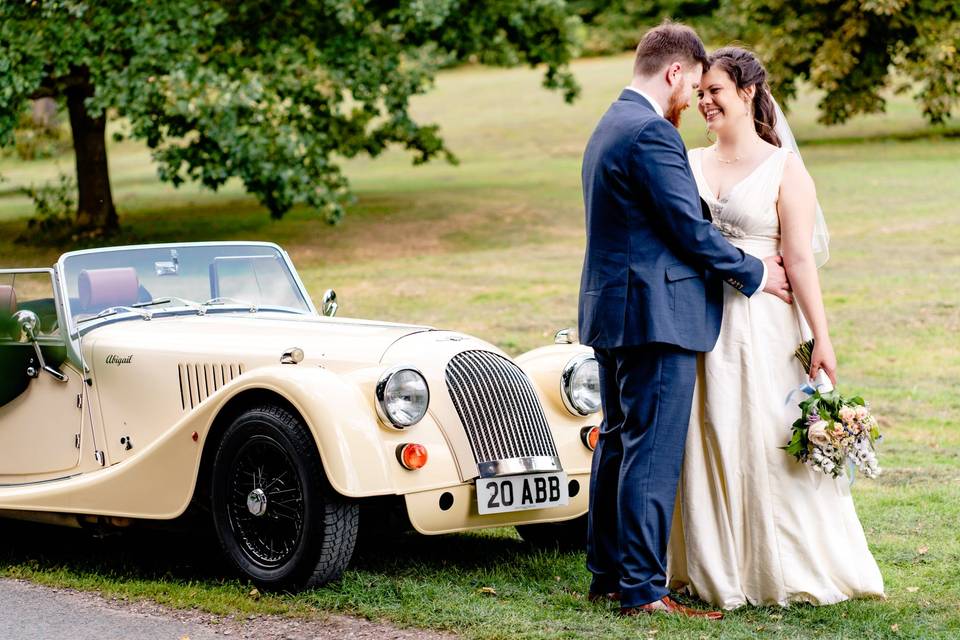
[{"x": 660, "y": 163}]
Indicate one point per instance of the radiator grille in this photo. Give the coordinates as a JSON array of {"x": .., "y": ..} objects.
[
  {"x": 498, "y": 408},
  {"x": 199, "y": 381}
]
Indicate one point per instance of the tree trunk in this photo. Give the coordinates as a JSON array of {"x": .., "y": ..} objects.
[{"x": 95, "y": 210}]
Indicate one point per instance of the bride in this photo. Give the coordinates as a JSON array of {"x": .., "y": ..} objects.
[{"x": 752, "y": 525}]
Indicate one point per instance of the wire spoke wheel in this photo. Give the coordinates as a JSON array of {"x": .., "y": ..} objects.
[
  {"x": 275, "y": 514},
  {"x": 266, "y": 501}
]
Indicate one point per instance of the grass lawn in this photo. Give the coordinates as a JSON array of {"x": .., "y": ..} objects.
[{"x": 494, "y": 247}]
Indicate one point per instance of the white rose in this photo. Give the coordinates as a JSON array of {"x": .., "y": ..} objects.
[{"x": 817, "y": 434}]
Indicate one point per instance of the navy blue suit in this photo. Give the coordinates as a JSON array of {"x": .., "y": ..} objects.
[{"x": 650, "y": 298}]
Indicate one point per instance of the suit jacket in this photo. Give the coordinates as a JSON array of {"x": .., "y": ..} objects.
[{"x": 654, "y": 263}]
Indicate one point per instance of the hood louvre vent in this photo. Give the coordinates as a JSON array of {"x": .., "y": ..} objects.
[{"x": 198, "y": 381}]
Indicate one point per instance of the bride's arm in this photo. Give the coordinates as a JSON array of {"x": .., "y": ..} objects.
[{"x": 797, "y": 209}]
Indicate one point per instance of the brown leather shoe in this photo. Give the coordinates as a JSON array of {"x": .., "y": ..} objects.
[
  {"x": 611, "y": 596},
  {"x": 666, "y": 605}
]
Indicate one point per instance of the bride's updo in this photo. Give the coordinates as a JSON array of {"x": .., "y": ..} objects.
[{"x": 746, "y": 71}]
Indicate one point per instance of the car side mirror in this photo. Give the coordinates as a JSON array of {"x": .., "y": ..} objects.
[
  {"x": 329, "y": 306},
  {"x": 28, "y": 322}
]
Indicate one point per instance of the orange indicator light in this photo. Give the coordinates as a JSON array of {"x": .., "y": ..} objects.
[
  {"x": 590, "y": 436},
  {"x": 412, "y": 456}
]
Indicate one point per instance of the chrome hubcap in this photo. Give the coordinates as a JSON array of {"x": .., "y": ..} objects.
[{"x": 257, "y": 502}]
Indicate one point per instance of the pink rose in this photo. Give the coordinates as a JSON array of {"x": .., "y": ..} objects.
[{"x": 847, "y": 414}]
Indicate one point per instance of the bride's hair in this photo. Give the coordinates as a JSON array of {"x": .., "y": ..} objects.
[{"x": 746, "y": 71}]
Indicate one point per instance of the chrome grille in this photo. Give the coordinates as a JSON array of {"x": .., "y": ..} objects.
[{"x": 499, "y": 410}]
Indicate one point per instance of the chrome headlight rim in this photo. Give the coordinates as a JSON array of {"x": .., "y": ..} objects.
[
  {"x": 380, "y": 393},
  {"x": 566, "y": 384}
]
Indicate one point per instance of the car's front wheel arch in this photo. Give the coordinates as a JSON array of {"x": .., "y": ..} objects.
[{"x": 234, "y": 407}]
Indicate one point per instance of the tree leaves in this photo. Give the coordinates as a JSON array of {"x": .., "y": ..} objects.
[
  {"x": 270, "y": 92},
  {"x": 853, "y": 49}
]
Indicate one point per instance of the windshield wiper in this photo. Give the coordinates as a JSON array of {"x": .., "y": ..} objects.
[
  {"x": 109, "y": 311},
  {"x": 150, "y": 303},
  {"x": 225, "y": 300}
]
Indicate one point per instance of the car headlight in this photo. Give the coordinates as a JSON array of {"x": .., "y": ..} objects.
[
  {"x": 402, "y": 397},
  {"x": 580, "y": 384}
]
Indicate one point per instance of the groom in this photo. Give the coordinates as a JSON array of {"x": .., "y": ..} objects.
[{"x": 651, "y": 298}]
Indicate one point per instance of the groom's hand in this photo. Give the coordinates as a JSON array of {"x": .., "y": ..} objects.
[{"x": 777, "y": 282}]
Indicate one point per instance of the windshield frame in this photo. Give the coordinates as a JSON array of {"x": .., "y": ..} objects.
[{"x": 73, "y": 330}]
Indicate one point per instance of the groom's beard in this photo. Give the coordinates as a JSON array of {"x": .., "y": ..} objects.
[{"x": 675, "y": 107}]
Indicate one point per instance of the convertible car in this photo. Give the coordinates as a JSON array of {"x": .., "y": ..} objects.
[{"x": 140, "y": 382}]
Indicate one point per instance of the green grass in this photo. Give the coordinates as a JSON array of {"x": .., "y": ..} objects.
[{"x": 494, "y": 247}]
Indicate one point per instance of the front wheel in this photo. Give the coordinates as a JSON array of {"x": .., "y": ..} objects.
[
  {"x": 569, "y": 535},
  {"x": 274, "y": 513}
]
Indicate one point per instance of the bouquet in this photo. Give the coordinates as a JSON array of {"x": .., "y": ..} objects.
[{"x": 833, "y": 431}]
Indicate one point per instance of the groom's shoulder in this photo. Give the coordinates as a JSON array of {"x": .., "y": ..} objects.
[
  {"x": 631, "y": 119},
  {"x": 658, "y": 131}
]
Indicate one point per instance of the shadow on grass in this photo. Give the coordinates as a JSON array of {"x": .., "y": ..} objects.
[
  {"x": 377, "y": 226},
  {"x": 466, "y": 552},
  {"x": 194, "y": 555},
  {"x": 135, "y": 554}
]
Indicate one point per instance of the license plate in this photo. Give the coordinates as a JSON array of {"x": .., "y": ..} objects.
[{"x": 516, "y": 493}]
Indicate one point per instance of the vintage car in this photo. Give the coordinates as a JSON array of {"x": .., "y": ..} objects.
[{"x": 140, "y": 382}]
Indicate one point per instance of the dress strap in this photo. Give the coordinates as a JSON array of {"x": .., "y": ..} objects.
[{"x": 773, "y": 176}]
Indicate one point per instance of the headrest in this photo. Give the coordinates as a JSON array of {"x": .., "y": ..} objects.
[
  {"x": 103, "y": 288},
  {"x": 8, "y": 300}
]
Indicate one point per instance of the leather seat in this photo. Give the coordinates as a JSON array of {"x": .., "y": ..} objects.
[
  {"x": 100, "y": 289},
  {"x": 8, "y": 300},
  {"x": 8, "y": 307}
]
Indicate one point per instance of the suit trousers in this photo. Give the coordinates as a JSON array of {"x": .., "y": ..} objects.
[{"x": 646, "y": 393}]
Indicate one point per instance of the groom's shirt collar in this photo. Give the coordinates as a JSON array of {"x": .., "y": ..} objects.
[{"x": 653, "y": 103}]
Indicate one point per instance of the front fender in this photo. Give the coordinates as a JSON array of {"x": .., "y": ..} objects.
[
  {"x": 343, "y": 424},
  {"x": 544, "y": 366},
  {"x": 358, "y": 452}
]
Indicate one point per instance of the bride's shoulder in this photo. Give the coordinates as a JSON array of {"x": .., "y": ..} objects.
[
  {"x": 696, "y": 152},
  {"x": 795, "y": 174}
]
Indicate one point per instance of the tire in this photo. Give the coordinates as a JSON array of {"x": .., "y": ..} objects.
[
  {"x": 274, "y": 513},
  {"x": 569, "y": 535}
]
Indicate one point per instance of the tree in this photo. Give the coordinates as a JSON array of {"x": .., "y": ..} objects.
[
  {"x": 854, "y": 49},
  {"x": 273, "y": 92},
  {"x": 616, "y": 25}
]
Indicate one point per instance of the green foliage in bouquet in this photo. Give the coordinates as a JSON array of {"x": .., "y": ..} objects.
[
  {"x": 833, "y": 430},
  {"x": 820, "y": 406}
]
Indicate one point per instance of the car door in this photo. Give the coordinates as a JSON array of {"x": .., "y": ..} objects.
[{"x": 39, "y": 414}]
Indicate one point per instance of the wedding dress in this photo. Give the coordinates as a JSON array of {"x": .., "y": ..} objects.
[{"x": 753, "y": 525}]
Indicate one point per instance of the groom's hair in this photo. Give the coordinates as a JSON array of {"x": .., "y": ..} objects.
[{"x": 666, "y": 43}]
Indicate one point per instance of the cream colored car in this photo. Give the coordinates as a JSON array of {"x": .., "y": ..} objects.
[{"x": 137, "y": 382}]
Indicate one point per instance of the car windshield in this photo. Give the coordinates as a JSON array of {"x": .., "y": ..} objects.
[{"x": 144, "y": 280}]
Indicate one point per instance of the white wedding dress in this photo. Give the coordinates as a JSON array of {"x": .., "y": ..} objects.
[{"x": 753, "y": 525}]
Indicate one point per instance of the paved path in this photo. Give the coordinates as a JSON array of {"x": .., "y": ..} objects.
[{"x": 32, "y": 612}]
